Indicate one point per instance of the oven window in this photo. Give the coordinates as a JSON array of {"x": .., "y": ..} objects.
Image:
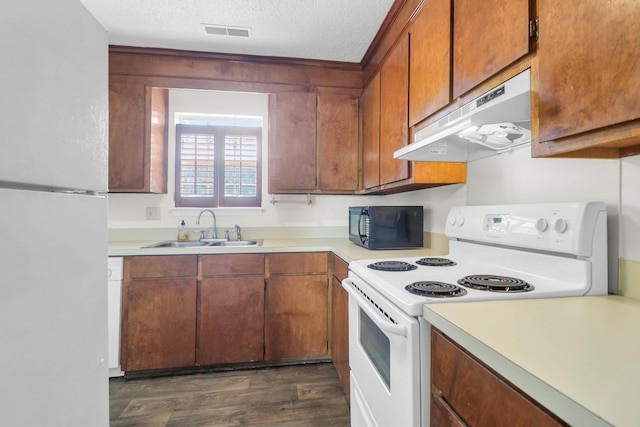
[{"x": 376, "y": 345}]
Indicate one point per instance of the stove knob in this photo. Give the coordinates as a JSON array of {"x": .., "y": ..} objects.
[
  {"x": 542, "y": 225},
  {"x": 451, "y": 220},
  {"x": 459, "y": 220},
  {"x": 561, "y": 225}
]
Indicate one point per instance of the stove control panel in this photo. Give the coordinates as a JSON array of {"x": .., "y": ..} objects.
[{"x": 559, "y": 227}]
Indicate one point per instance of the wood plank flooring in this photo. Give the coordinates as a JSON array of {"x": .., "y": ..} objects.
[{"x": 300, "y": 396}]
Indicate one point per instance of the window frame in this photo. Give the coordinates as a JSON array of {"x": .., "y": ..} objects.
[{"x": 218, "y": 200}]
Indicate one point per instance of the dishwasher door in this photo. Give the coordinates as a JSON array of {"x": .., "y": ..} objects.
[{"x": 114, "y": 274}]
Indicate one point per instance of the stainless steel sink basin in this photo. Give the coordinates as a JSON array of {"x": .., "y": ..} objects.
[
  {"x": 176, "y": 244},
  {"x": 239, "y": 243},
  {"x": 203, "y": 243}
]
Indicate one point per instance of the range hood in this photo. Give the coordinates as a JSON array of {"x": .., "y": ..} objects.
[{"x": 497, "y": 121}]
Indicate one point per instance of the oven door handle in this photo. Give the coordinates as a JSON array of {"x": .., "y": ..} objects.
[{"x": 380, "y": 321}]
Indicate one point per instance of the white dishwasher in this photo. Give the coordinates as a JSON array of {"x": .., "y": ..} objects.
[{"x": 114, "y": 274}]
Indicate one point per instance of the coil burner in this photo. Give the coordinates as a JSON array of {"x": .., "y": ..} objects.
[
  {"x": 435, "y": 289},
  {"x": 436, "y": 262},
  {"x": 392, "y": 266},
  {"x": 495, "y": 283}
]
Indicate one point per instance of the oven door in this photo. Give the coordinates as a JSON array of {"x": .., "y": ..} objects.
[{"x": 384, "y": 360}]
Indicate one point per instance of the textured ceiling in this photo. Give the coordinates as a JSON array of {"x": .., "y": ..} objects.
[{"x": 335, "y": 30}]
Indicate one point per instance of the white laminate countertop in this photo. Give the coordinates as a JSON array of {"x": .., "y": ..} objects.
[
  {"x": 340, "y": 246},
  {"x": 578, "y": 357}
]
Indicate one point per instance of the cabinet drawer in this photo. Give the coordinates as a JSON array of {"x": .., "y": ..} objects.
[
  {"x": 232, "y": 265},
  {"x": 476, "y": 394},
  {"x": 295, "y": 263},
  {"x": 163, "y": 266}
]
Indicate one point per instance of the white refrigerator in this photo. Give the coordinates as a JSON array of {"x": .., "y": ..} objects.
[{"x": 53, "y": 215}]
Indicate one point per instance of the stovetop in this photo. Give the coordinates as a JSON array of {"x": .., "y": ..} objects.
[{"x": 548, "y": 276}]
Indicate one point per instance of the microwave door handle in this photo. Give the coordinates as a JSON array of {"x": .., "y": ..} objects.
[
  {"x": 380, "y": 322},
  {"x": 363, "y": 237}
]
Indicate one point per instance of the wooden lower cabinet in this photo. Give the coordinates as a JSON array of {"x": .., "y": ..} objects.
[
  {"x": 231, "y": 309},
  {"x": 296, "y": 304},
  {"x": 339, "y": 335},
  {"x": 185, "y": 311},
  {"x": 159, "y": 312},
  {"x": 467, "y": 393}
]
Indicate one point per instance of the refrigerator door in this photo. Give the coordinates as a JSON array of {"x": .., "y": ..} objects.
[
  {"x": 54, "y": 106},
  {"x": 53, "y": 309}
]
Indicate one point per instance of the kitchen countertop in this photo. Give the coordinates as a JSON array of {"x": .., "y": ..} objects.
[
  {"x": 578, "y": 357},
  {"x": 340, "y": 246}
]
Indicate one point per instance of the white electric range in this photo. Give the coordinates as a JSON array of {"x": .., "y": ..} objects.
[{"x": 495, "y": 253}]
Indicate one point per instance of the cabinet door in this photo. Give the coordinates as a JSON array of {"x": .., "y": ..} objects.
[
  {"x": 126, "y": 135},
  {"x": 296, "y": 317},
  {"x": 292, "y": 142},
  {"x": 589, "y": 65},
  {"x": 487, "y": 36},
  {"x": 371, "y": 134},
  {"x": 137, "y": 138},
  {"x": 394, "y": 112},
  {"x": 340, "y": 332},
  {"x": 430, "y": 60},
  {"x": 160, "y": 324},
  {"x": 231, "y": 320},
  {"x": 476, "y": 394},
  {"x": 338, "y": 143}
]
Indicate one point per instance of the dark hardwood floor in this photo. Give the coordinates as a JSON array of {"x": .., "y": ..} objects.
[{"x": 302, "y": 395}]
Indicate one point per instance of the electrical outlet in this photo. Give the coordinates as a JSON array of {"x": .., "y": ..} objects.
[{"x": 153, "y": 213}]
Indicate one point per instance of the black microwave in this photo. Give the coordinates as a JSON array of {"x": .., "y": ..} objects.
[{"x": 386, "y": 227}]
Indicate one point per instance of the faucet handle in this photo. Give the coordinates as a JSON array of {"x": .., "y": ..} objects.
[{"x": 202, "y": 233}]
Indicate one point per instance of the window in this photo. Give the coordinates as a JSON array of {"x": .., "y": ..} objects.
[{"x": 218, "y": 165}]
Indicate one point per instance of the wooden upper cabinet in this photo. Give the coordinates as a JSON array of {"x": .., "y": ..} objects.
[
  {"x": 430, "y": 60},
  {"x": 137, "y": 138},
  {"x": 385, "y": 129},
  {"x": 338, "y": 142},
  {"x": 394, "y": 111},
  {"x": 589, "y": 63},
  {"x": 371, "y": 134},
  {"x": 313, "y": 143},
  {"x": 488, "y": 36},
  {"x": 292, "y": 142}
]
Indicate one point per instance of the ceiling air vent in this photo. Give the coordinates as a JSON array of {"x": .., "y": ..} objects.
[{"x": 218, "y": 30}]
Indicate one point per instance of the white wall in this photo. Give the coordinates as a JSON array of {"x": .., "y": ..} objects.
[{"x": 630, "y": 209}]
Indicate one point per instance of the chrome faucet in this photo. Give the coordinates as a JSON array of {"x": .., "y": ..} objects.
[{"x": 214, "y": 234}]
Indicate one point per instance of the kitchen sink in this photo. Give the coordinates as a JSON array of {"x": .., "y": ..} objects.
[
  {"x": 176, "y": 244},
  {"x": 204, "y": 243}
]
